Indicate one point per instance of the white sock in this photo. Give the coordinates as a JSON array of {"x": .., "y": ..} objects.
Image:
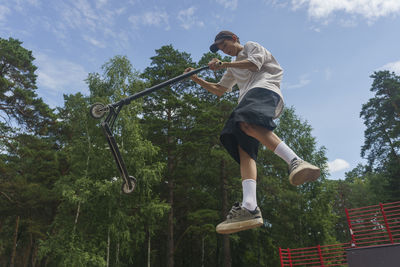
[
  {"x": 249, "y": 194},
  {"x": 285, "y": 153}
]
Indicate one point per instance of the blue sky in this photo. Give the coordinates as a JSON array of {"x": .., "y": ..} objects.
[{"x": 328, "y": 49}]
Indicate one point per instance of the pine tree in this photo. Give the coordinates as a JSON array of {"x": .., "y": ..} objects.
[
  {"x": 19, "y": 104},
  {"x": 29, "y": 164},
  {"x": 222, "y": 174},
  {"x": 165, "y": 123},
  {"x": 381, "y": 115}
]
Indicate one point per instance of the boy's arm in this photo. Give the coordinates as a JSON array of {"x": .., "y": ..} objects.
[
  {"x": 242, "y": 64},
  {"x": 214, "y": 88},
  {"x": 216, "y": 64}
]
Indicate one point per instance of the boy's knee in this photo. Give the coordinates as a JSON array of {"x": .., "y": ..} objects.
[
  {"x": 246, "y": 128},
  {"x": 243, "y": 126}
]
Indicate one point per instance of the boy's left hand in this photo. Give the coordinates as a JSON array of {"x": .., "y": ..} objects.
[{"x": 215, "y": 64}]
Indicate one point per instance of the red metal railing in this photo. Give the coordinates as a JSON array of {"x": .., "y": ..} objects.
[
  {"x": 369, "y": 226},
  {"x": 374, "y": 225},
  {"x": 330, "y": 255}
]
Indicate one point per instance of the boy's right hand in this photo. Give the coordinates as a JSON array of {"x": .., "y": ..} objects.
[{"x": 189, "y": 70}]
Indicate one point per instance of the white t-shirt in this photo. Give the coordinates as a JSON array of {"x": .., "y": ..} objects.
[{"x": 268, "y": 76}]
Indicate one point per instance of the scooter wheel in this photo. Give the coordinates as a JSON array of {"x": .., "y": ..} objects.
[
  {"x": 128, "y": 188},
  {"x": 97, "y": 110}
]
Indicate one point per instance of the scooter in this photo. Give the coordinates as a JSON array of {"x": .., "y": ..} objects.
[{"x": 98, "y": 110}]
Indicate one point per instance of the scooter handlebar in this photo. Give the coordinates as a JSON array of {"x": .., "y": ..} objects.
[{"x": 159, "y": 86}]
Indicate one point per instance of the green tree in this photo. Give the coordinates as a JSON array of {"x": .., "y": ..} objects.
[
  {"x": 204, "y": 175},
  {"x": 29, "y": 164},
  {"x": 19, "y": 104},
  {"x": 165, "y": 123},
  {"x": 223, "y": 172},
  {"x": 27, "y": 201},
  {"x": 381, "y": 115},
  {"x": 107, "y": 228}
]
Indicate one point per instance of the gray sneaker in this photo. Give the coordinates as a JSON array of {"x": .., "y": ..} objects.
[
  {"x": 239, "y": 219},
  {"x": 301, "y": 171}
]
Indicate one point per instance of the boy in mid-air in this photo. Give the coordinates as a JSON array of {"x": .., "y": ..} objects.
[{"x": 258, "y": 76}]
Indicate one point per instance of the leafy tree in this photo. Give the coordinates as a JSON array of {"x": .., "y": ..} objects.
[
  {"x": 106, "y": 228},
  {"x": 165, "y": 123},
  {"x": 29, "y": 163},
  {"x": 207, "y": 170},
  {"x": 27, "y": 195},
  {"x": 19, "y": 104},
  {"x": 381, "y": 116}
]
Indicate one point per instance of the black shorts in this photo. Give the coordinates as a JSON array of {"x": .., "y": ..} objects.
[{"x": 257, "y": 107}]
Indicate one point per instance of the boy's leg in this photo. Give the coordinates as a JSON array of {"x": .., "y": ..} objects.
[
  {"x": 247, "y": 215},
  {"x": 248, "y": 171},
  {"x": 300, "y": 170},
  {"x": 248, "y": 167},
  {"x": 266, "y": 137}
]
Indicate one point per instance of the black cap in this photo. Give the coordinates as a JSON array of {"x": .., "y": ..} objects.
[{"x": 221, "y": 36}]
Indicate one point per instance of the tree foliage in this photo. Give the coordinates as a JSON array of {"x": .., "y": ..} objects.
[
  {"x": 19, "y": 104},
  {"x": 381, "y": 116}
]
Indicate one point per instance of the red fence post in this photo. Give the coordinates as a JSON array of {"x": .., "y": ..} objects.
[
  {"x": 386, "y": 223},
  {"x": 290, "y": 258},
  {"x": 320, "y": 256},
  {"x": 280, "y": 256},
  {"x": 353, "y": 240}
]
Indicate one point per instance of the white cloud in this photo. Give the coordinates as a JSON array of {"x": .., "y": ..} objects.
[
  {"x": 93, "y": 41},
  {"x": 349, "y": 22},
  {"x": 231, "y": 4},
  {"x": 276, "y": 3},
  {"x": 328, "y": 73},
  {"x": 59, "y": 75},
  {"x": 94, "y": 21},
  {"x": 100, "y": 3},
  {"x": 119, "y": 11},
  {"x": 4, "y": 11},
  {"x": 188, "y": 18},
  {"x": 392, "y": 66},
  {"x": 119, "y": 38},
  {"x": 316, "y": 29},
  {"x": 370, "y": 9},
  {"x": 150, "y": 18},
  {"x": 222, "y": 19},
  {"x": 35, "y": 3},
  {"x": 338, "y": 165},
  {"x": 21, "y": 5},
  {"x": 303, "y": 82},
  {"x": 56, "y": 28},
  {"x": 80, "y": 16}
]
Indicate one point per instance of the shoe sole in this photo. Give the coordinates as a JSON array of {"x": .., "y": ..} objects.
[
  {"x": 230, "y": 228},
  {"x": 307, "y": 174}
]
